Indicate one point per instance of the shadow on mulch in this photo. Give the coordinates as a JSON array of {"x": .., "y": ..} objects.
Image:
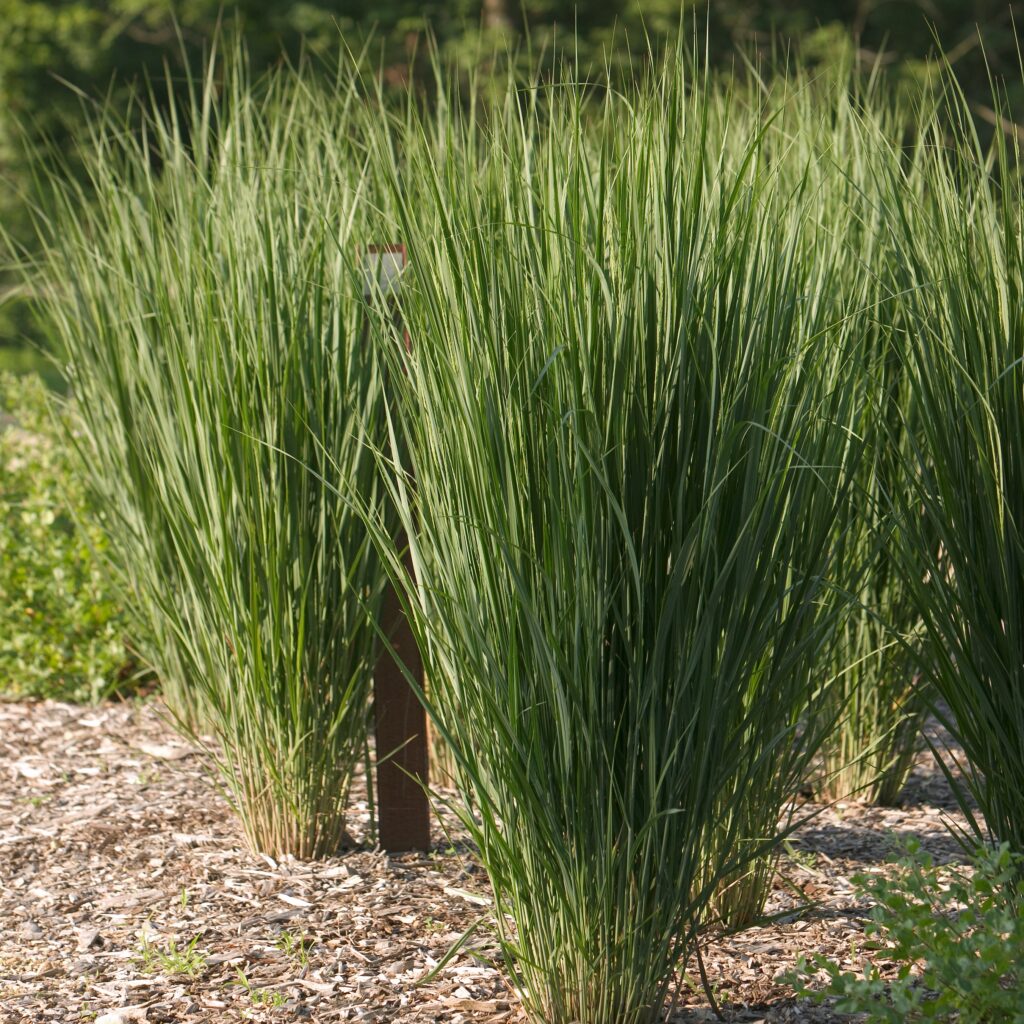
[{"x": 848, "y": 839}]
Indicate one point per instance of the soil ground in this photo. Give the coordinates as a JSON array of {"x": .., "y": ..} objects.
[{"x": 127, "y": 894}]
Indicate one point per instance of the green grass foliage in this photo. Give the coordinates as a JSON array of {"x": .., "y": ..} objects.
[
  {"x": 626, "y": 415},
  {"x": 706, "y": 450},
  {"x": 210, "y": 305}
]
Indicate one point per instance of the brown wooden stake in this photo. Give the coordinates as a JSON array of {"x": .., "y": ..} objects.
[{"x": 403, "y": 811}]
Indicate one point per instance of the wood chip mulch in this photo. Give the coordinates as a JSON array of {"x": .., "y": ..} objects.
[{"x": 127, "y": 894}]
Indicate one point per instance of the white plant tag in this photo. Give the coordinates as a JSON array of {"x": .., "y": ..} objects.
[{"x": 384, "y": 265}]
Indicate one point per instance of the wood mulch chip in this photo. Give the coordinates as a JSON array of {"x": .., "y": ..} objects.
[{"x": 127, "y": 894}]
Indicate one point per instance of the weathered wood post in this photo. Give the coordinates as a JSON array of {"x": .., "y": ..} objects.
[{"x": 403, "y": 812}]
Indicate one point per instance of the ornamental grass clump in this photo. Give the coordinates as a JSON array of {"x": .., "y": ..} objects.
[
  {"x": 618, "y": 439},
  {"x": 204, "y": 288},
  {"x": 869, "y": 755},
  {"x": 960, "y": 540},
  {"x": 881, "y": 697}
]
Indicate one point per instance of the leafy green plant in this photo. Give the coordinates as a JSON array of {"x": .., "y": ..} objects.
[
  {"x": 956, "y": 936},
  {"x": 206, "y": 289},
  {"x": 62, "y": 623},
  {"x": 623, "y": 428}
]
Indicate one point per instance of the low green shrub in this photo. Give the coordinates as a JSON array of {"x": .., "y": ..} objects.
[
  {"x": 957, "y": 935},
  {"x": 62, "y": 626}
]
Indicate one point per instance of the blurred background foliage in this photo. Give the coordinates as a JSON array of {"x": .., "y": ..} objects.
[
  {"x": 56, "y": 56},
  {"x": 62, "y": 623}
]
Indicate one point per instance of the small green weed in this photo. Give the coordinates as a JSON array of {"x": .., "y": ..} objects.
[
  {"x": 187, "y": 960},
  {"x": 295, "y": 946},
  {"x": 259, "y": 996},
  {"x": 802, "y": 858}
]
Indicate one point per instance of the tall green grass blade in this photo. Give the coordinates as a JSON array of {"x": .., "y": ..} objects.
[{"x": 960, "y": 543}]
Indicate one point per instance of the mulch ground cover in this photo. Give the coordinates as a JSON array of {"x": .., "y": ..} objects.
[{"x": 127, "y": 894}]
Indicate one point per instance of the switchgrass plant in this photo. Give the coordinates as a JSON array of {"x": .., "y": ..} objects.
[
  {"x": 960, "y": 542},
  {"x": 618, "y": 443},
  {"x": 840, "y": 135},
  {"x": 869, "y": 755},
  {"x": 204, "y": 286}
]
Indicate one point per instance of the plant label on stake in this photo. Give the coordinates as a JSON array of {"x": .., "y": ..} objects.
[
  {"x": 384, "y": 267},
  {"x": 400, "y": 723}
]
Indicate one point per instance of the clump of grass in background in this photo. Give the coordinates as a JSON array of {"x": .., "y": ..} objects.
[
  {"x": 960, "y": 540},
  {"x": 625, "y": 420},
  {"x": 62, "y": 624},
  {"x": 883, "y": 700},
  {"x": 880, "y": 697},
  {"x": 206, "y": 293}
]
